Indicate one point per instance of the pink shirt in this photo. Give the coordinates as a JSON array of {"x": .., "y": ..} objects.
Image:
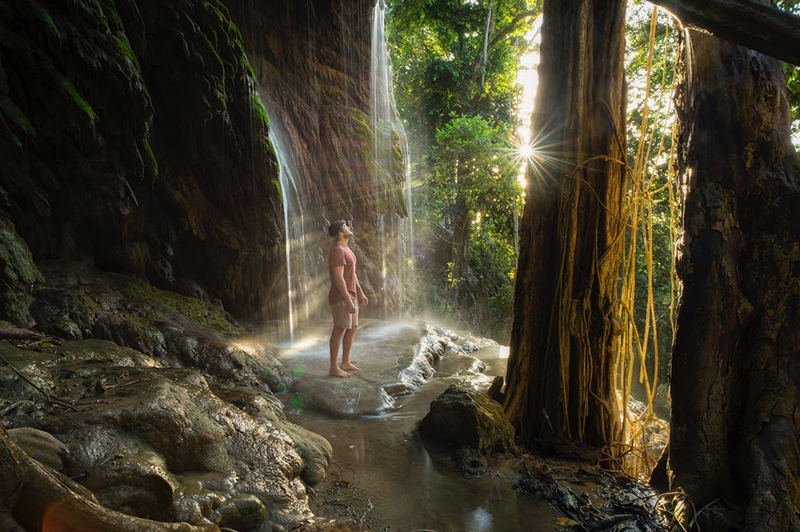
[{"x": 341, "y": 255}]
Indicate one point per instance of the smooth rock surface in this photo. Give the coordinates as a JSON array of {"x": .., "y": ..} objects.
[{"x": 395, "y": 358}]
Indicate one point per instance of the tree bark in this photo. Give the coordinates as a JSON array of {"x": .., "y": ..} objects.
[
  {"x": 760, "y": 27},
  {"x": 38, "y": 498},
  {"x": 735, "y": 364},
  {"x": 560, "y": 370}
]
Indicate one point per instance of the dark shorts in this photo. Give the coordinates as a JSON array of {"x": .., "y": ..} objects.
[{"x": 343, "y": 319}]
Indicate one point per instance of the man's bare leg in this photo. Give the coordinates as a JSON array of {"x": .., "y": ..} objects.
[
  {"x": 336, "y": 338},
  {"x": 349, "y": 334}
]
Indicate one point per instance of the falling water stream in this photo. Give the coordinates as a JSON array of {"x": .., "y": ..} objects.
[
  {"x": 292, "y": 219},
  {"x": 397, "y": 233}
]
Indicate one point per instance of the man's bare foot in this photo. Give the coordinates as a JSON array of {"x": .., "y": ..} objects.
[
  {"x": 350, "y": 367},
  {"x": 336, "y": 372}
]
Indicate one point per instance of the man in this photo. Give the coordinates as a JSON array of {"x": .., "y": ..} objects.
[{"x": 344, "y": 297}]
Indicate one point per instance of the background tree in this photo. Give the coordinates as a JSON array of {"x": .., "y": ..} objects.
[
  {"x": 473, "y": 184},
  {"x": 560, "y": 371},
  {"x": 792, "y": 73}
]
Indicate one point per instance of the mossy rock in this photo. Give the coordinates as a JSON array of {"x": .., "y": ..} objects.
[
  {"x": 461, "y": 417},
  {"x": 18, "y": 274}
]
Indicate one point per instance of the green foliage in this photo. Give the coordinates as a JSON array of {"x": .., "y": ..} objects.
[
  {"x": 473, "y": 167},
  {"x": 793, "y": 85},
  {"x": 437, "y": 49},
  {"x": 792, "y": 73},
  {"x": 455, "y": 90}
]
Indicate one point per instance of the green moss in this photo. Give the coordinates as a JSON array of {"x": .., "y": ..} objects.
[
  {"x": 16, "y": 257},
  {"x": 45, "y": 17},
  {"x": 151, "y": 164},
  {"x": 69, "y": 90},
  {"x": 127, "y": 51},
  {"x": 258, "y": 107},
  {"x": 17, "y": 117},
  {"x": 358, "y": 116}
]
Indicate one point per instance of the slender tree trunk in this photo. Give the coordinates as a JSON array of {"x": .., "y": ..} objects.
[
  {"x": 560, "y": 371},
  {"x": 462, "y": 227},
  {"x": 735, "y": 445}
]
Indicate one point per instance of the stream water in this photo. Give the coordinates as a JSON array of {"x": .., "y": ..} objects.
[{"x": 383, "y": 476}]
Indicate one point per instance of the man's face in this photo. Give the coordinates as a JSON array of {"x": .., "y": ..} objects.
[{"x": 346, "y": 230}]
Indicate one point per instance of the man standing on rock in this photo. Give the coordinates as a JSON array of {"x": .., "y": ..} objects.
[{"x": 344, "y": 297}]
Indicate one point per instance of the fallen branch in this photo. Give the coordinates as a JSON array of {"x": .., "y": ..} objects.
[
  {"x": 17, "y": 333},
  {"x": 51, "y": 398}
]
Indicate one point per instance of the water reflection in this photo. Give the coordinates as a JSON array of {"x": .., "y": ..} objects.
[{"x": 479, "y": 520}]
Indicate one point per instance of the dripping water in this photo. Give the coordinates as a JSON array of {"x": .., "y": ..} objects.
[{"x": 396, "y": 228}]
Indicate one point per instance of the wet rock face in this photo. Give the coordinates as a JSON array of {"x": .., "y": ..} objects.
[
  {"x": 141, "y": 146},
  {"x": 462, "y": 417},
  {"x": 170, "y": 416},
  {"x": 312, "y": 61},
  {"x": 18, "y": 274},
  {"x": 41, "y": 446},
  {"x": 157, "y": 442},
  {"x": 77, "y": 302}
]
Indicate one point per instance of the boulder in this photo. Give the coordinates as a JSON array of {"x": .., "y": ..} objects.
[
  {"x": 463, "y": 417},
  {"x": 470, "y": 462}
]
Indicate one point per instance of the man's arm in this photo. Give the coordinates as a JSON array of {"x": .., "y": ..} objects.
[
  {"x": 341, "y": 286},
  {"x": 362, "y": 299}
]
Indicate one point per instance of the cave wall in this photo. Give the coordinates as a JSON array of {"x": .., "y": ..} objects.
[
  {"x": 132, "y": 139},
  {"x": 133, "y": 136}
]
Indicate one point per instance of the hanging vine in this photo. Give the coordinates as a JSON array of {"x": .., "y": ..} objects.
[{"x": 651, "y": 185}]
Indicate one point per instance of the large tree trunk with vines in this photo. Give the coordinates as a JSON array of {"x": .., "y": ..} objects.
[
  {"x": 560, "y": 372},
  {"x": 736, "y": 358}
]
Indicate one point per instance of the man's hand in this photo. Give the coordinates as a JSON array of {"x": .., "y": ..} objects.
[
  {"x": 362, "y": 300},
  {"x": 351, "y": 308}
]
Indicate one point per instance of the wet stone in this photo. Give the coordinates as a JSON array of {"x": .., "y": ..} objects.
[
  {"x": 463, "y": 417},
  {"x": 131, "y": 485}
]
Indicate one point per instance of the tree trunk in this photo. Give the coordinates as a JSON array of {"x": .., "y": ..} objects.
[
  {"x": 462, "y": 227},
  {"x": 37, "y": 498},
  {"x": 735, "y": 361},
  {"x": 560, "y": 371}
]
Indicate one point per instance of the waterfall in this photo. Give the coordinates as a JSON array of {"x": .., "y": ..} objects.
[
  {"x": 396, "y": 231},
  {"x": 295, "y": 236},
  {"x": 306, "y": 208}
]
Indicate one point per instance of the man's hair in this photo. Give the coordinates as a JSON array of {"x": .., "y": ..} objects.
[{"x": 336, "y": 227}]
